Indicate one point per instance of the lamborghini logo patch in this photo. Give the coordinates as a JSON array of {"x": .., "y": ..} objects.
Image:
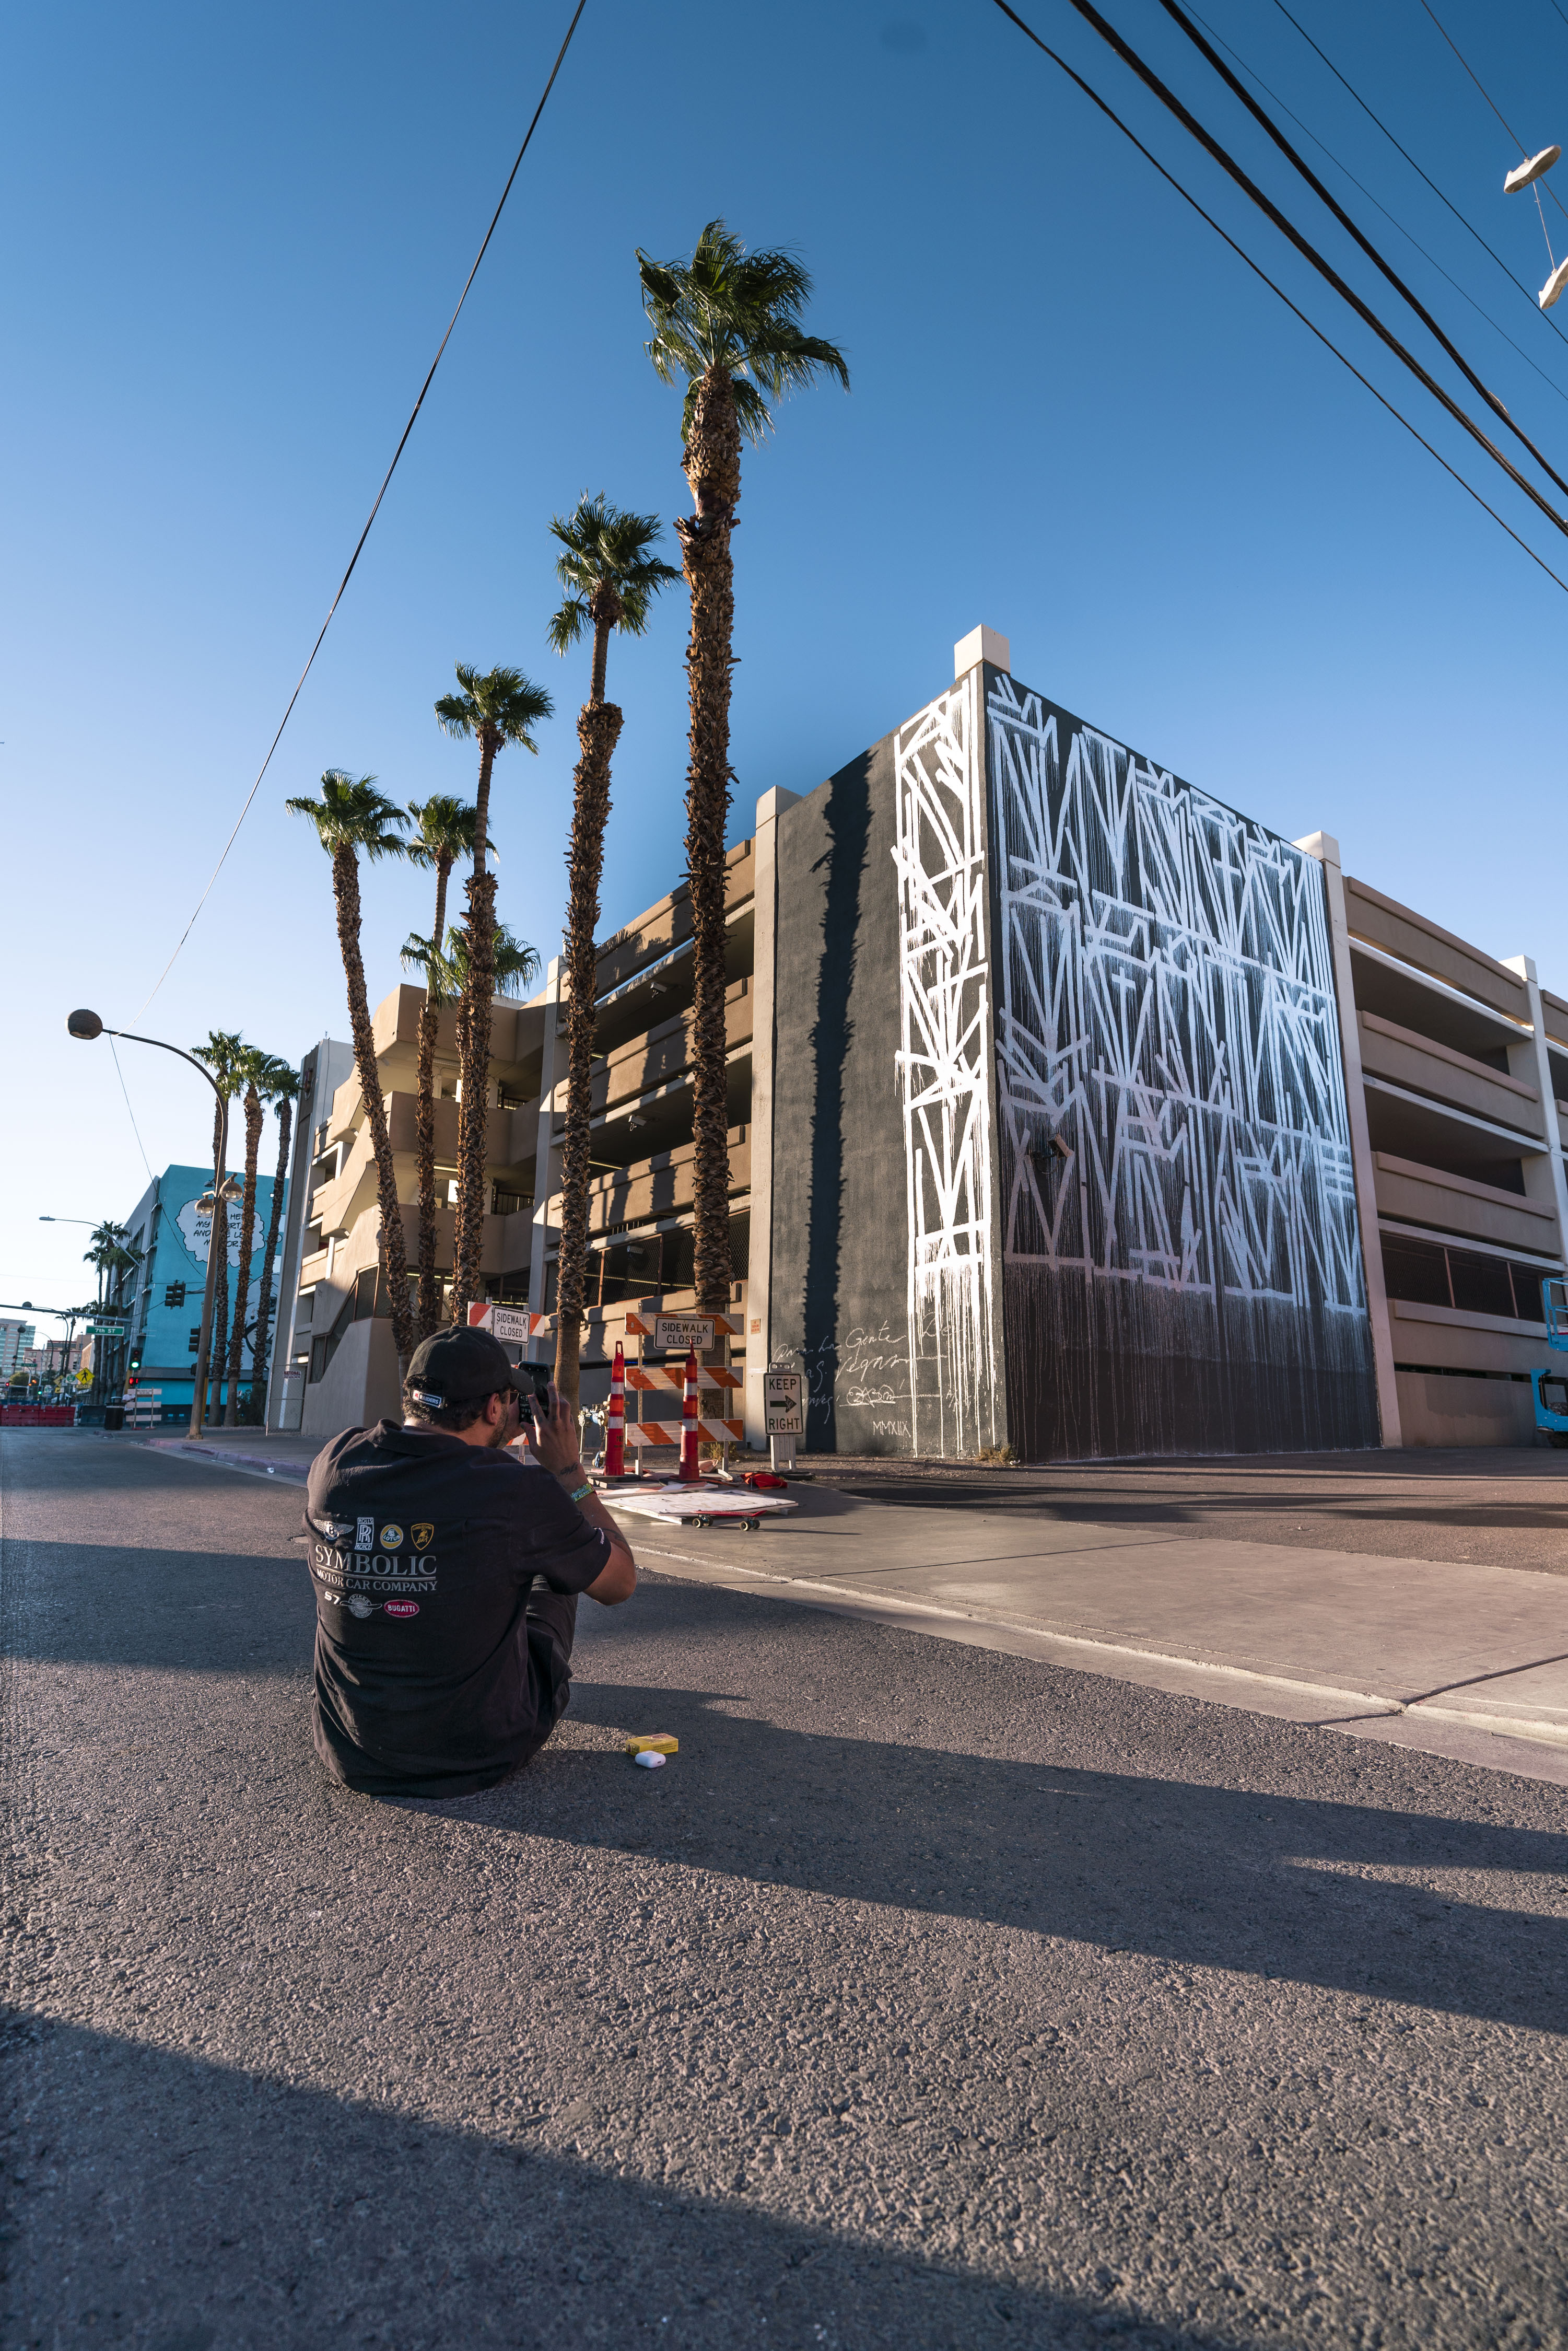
[{"x": 423, "y": 1535}]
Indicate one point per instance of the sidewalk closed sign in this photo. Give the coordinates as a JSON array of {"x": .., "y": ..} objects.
[
  {"x": 513, "y": 1324},
  {"x": 679, "y": 1333},
  {"x": 781, "y": 1403}
]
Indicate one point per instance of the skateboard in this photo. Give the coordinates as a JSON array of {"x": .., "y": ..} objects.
[{"x": 696, "y": 1506}]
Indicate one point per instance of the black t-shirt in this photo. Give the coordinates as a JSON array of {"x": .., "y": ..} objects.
[{"x": 422, "y": 1553}]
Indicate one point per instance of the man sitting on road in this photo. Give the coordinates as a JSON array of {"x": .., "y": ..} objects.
[{"x": 446, "y": 1572}]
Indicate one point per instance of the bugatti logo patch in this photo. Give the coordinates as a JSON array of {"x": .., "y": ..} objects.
[
  {"x": 365, "y": 1534},
  {"x": 423, "y": 1535},
  {"x": 401, "y": 1607},
  {"x": 391, "y": 1538}
]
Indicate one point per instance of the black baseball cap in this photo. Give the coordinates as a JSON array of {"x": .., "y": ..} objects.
[{"x": 457, "y": 1367}]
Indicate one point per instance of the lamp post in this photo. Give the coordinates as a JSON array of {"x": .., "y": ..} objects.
[{"x": 88, "y": 1025}]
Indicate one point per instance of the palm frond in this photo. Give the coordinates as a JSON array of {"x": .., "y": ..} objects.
[
  {"x": 736, "y": 313},
  {"x": 444, "y": 828},
  {"x": 352, "y": 814},
  {"x": 516, "y": 965},
  {"x": 501, "y": 703},
  {"x": 566, "y": 625}
]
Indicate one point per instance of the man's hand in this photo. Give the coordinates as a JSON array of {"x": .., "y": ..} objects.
[
  {"x": 552, "y": 1439},
  {"x": 552, "y": 1435}
]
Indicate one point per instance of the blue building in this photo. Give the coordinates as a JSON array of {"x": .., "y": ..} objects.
[{"x": 161, "y": 1302}]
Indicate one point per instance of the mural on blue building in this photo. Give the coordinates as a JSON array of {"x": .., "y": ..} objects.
[{"x": 175, "y": 1238}]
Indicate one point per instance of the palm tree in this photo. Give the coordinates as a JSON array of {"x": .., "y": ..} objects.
[
  {"x": 445, "y": 972},
  {"x": 250, "y": 1070},
  {"x": 109, "y": 1253},
  {"x": 221, "y": 1053},
  {"x": 612, "y": 578},
  {"x": 445, "y": 831},
  {"x": 280, "y": 1086},
  {"x": 353, "y": 819},
  {"x": 727, "y": 322},
  {"x": 496, "y": 707}
]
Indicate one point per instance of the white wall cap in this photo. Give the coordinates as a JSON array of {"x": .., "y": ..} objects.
[
  {"x": 773, "y": 804},
  {"x": 1524, "y": 965},
  {"x": 982, "y": 644},
  {"x": 1321, "y": 845}
]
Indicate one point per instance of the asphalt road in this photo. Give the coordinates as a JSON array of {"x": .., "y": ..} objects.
[{"x": 930, "y": 1998}]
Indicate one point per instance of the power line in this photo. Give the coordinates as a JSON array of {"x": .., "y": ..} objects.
[
  {"x": 129, "y": 1113},
  {"x": 408, "y": 428},
  {"x": 1376, "y": 118},
  {"x": 1096, "y": 99},
  {"x": 1487, "y": 95},
  {"x": 1178, "y": 15},
  {"x": 1325, "y": 269},
  {"x": 1360, "y": 185}
]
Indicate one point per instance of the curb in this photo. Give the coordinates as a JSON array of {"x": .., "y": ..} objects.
[{"x": 1539, "y": 1732}]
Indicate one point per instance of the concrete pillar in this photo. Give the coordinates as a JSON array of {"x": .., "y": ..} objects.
[
  {"x": 547, "y": 1156},
  {"x": 759, "y": 1281},
  {"x": 1325, "y": 849},
  {"x": 1544, "y": 1177}
]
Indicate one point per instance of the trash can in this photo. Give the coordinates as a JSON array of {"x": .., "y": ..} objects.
[{"x": 114, "y": 1416}]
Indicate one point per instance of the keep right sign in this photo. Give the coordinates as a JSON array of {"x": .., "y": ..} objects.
[{"x": 783, "y": 1413}]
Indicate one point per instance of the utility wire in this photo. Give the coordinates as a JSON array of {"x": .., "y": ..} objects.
[
  {"x": 1325, "y": 269},
  {"x": 1179, "y": 17},
  {"x": 408, "y": 428},
  {"x": 1360, "y": 185},
  {"x": 1469, "y": 225},
  {"x": 1490, "y": 101},
  {"x": 1111, "y": 116},
  {"x": 129, "y": 1113}
]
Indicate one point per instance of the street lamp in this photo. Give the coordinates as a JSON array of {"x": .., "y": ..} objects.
[{"x": 88, "y": 1025}]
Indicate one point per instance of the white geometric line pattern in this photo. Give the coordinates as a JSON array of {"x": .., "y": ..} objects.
[
  {"x": 945, "y": 1071},
  {"x": 1167, "y": 1011}
]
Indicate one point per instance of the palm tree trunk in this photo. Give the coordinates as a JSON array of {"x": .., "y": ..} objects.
[
  {"x": 393, "y": 1251},
  {"x": 424, "y": 1097},
  {"x": 253, "y": 1117},
  {"x": 273, "y": 1222},
  {"x": 218, "y": 1342},
  {"x": 597, "y": 730},
  {"x": 473, "y": 1110},
  {"x": 713, "y": 469}
]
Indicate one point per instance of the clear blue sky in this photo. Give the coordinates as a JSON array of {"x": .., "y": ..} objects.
[{"x": 234, "y": 242}]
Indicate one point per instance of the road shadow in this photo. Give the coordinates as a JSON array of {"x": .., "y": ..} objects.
[
  {"x": 175, "y": 1610},
  {"x": 1354, "y": 1897},
  {"x": 159, "y": 2200}
]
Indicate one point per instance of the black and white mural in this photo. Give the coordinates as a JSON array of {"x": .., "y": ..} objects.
[
  {"x": 1179, "y": 1253},
  {"x": 946, "y": 1075}
]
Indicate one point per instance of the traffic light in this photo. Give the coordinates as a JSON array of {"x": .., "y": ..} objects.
[{"x": 133, "y": 1367}]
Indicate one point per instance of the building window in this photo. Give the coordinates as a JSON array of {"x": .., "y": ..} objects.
[
  {"x": 506, "y": 1203},
  {"x": 1429, "y": 1273},
  {"x": 174, "y": 1295},
  {"x": 510, "y": 1098}
]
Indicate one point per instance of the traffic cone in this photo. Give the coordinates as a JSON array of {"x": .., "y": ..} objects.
[
  {"x": 615, "y": 1419},
  {"x": 691, "y": 1475}
]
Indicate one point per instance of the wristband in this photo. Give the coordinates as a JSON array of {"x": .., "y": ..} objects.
[{"x": 581, "y": 1492}]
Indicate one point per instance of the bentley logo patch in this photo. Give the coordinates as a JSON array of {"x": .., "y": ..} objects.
[{"x": 423, "y": 1535}]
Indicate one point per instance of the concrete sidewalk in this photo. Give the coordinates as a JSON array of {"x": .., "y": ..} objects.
[{"x": 1455, "y": 1658}]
